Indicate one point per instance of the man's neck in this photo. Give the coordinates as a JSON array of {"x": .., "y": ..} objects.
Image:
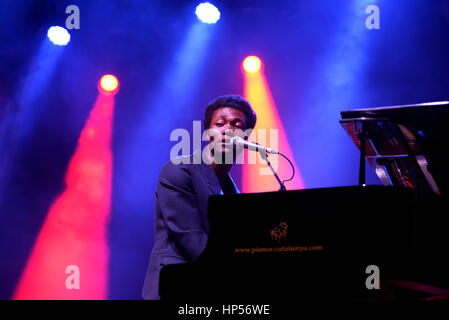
[{"x": 221, "y": 170}]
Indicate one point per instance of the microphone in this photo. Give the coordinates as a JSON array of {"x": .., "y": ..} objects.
[{"x": 242, "y": 143}]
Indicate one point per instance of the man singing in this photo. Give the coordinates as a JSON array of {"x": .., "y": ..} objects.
[{"x": 181, "y": 224}]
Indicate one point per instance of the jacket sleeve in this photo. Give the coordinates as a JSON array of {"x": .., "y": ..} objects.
[{"x": 179, "y": 207}]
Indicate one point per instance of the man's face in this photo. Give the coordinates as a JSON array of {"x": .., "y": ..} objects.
[{"x": 225, "y": 123}]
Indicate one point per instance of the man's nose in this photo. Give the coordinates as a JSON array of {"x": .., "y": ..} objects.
[{"x": 228, "y": 130}]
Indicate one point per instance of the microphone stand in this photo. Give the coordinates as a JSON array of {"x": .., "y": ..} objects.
[{"x": 263, "y": 154}]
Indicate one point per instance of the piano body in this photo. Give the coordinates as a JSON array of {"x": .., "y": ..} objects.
[{"x": 324, "y": 243}]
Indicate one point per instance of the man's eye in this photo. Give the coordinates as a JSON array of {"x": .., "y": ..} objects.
[{"x": 219, "y": 124}]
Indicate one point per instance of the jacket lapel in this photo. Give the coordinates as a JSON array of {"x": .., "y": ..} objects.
[{"x": 211, "y": 178}]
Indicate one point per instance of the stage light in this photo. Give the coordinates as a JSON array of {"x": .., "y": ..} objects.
[
  {"x": 270, "y": 131},
  {"x": 74, "y": 231},
  {"x": 252, "y": 64},
  {"x": 207, "y": 13},
  {"x": 108, "y": 85},
  {"x": 58, "y": 35}
]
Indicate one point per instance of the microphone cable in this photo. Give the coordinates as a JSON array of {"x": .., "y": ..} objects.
[{"x": 291, "y": 164}]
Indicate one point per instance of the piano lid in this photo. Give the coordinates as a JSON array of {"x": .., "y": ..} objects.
[{"x": 406, "y": 145}]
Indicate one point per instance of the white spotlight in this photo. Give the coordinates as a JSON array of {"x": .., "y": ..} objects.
[
  {"x": 207, "y": 13},
  {"x": 58, "y": 35}
]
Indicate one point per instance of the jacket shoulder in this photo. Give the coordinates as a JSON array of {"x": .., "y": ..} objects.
[{"x": 178, "y": 171}]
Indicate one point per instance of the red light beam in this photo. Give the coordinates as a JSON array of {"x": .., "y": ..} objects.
[{"x": 74, "y": 232}]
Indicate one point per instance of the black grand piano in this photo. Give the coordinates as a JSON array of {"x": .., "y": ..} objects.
[{"x": 360, "y": 242}]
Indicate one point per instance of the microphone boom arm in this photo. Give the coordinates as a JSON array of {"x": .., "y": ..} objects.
[{"x": 263, "y": 154}]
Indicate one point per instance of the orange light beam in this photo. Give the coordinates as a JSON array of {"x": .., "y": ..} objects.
[{"x": 258, "y": 177}]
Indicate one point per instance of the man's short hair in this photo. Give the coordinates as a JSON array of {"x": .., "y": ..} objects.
[{"x": 231, "y": 101}]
